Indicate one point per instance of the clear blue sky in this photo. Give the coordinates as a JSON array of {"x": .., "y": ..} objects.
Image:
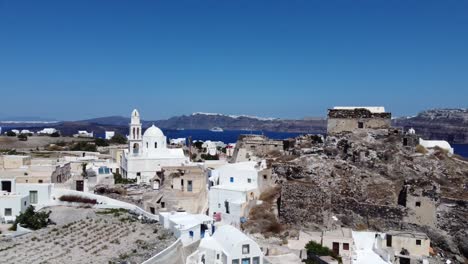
[{"x": 290, "y": 59}]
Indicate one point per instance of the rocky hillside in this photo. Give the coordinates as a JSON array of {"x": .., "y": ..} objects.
[
  {"x": 370, "y": 181},
  {"x": 446, "y": 124}
]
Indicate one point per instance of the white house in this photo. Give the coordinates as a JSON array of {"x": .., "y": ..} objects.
[
  {"x": 188, "y": 227},
  {"x": 11, "y": 205},
  {"x": 109, "y": 135},
  {"x": 233, "y": 189},
  {"x": 38, "y": 193},
  {"x": 228, "y": 245},
  {"x": 84, "y": 134},
  {"x": 177, "y": 141},
  {"x": 16, "y": 197},
  {"x": 25, "y": 131},
  {"x": 47, "y": 131},
  {"x": 428, "y": 144},
  {"x": 148, "y": 154}
]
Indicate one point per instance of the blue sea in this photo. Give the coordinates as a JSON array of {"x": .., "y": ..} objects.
[
  {"x": 461, "y": 149},
  {"x": 232, "y": 135}
]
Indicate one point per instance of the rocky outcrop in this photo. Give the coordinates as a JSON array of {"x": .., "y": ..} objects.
[{"x": 370, "y": 180}]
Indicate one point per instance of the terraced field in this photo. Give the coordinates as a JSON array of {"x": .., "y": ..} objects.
[{"x": 96, "y": 236}]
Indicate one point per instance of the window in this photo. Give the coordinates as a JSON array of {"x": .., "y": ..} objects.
[
  {"x": 418, "y": 204},
  {"x": 418, "y": 242},
  {"x": 163, "y": 205},
  {"x": 152, "y": 210},
  {"x": 252, "y": 147},
  {"x": 245, "y": 249},
  {"x": 146, "y": 144},
  {"x": 155, "y": 144},
  {"x": 249, "y": 180},
  {"x": 226, "y": 204},
  {"x": 217, "y": 256},
  {"x": 246, "y": 261},
  {"x": 360, "y": 125},
  {"x": 265, "y": 177},
  {"x": 345, "y": 246},
  {"x": 138, "y": 174},
  {"x": 33, "y": 197},
  {"x": 40, "y": 181},
  {"x": 231, "y": 179},
  {"x": 191, "y": 234},
  {"x": 256, "y": 260},
  {"x": 189, "y": 186},
  {"x": 235, "y": 261},
  {"x": 8, "y": 212}
]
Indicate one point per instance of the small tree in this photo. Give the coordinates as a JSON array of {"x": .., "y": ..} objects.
[
  {"x": 55, "y": 134},
  {"x": 31, "y": 219},
  {"x": 11, "y": 134},
  {"x": 118, "y": 139},
  {"x": 100, "y": 142}
]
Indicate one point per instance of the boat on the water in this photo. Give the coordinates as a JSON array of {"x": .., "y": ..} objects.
[
  {"x": 216, "y": 129},
  {"x": 180, "y": 128}
]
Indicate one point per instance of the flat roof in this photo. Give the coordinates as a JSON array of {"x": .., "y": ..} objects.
[
  {"x": 235, "y": 187},
  {"x": 408, "y": 233}
]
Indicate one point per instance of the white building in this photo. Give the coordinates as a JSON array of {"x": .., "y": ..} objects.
[
  {"x": 188, "y": 227},
  {"x": 429, "y": 144},
  {"x": 234, "y": 189},
  {"x": 148, "y": 154},
  {"x": 25, "y": 131},
  {"x": 84, "y": 134},
  {"x": 109, "y": 135},
  {"x": 47, "y": 131},
  {"x": 16, "y": 197},
  {"x": 212, "y": 146},
  {"x": 228, "y": 245},
  {"x": 177, "y": 141}
]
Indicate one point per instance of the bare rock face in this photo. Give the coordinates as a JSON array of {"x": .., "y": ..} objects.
[{"x": 370, "y": 180}]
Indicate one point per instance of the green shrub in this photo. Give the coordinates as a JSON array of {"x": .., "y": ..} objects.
[
  {"x": 118, "y": 139},
  {"x": 319, "y": 250},
  {"x": 55, "y": 134},
  {"x": 100, "y": 142},
  {"x": 11, "y": 134},
  {"x": 31, "y": 219},
  {"x": 118, "y": 179},
  {"x": 83, "y": 146}
]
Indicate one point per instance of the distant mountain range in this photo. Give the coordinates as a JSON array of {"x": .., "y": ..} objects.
[{"x": 445, "y": 124}]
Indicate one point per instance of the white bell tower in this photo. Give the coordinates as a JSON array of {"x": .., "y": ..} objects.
[{"x": 135, "y": 140}]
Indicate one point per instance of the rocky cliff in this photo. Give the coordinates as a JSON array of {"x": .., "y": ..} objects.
[{"x": 369, "y": 180}]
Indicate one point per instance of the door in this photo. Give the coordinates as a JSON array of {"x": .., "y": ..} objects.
[
  {"x": 79, "y": 186},
  {"x": 404, "y": 260},
  {"x": 336, "y": 248}
]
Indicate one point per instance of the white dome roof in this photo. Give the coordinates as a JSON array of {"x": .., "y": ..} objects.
[{"x": 153, "y": 131}]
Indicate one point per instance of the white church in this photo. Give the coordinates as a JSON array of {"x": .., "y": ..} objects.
[{"x": 148, "y": 154}]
